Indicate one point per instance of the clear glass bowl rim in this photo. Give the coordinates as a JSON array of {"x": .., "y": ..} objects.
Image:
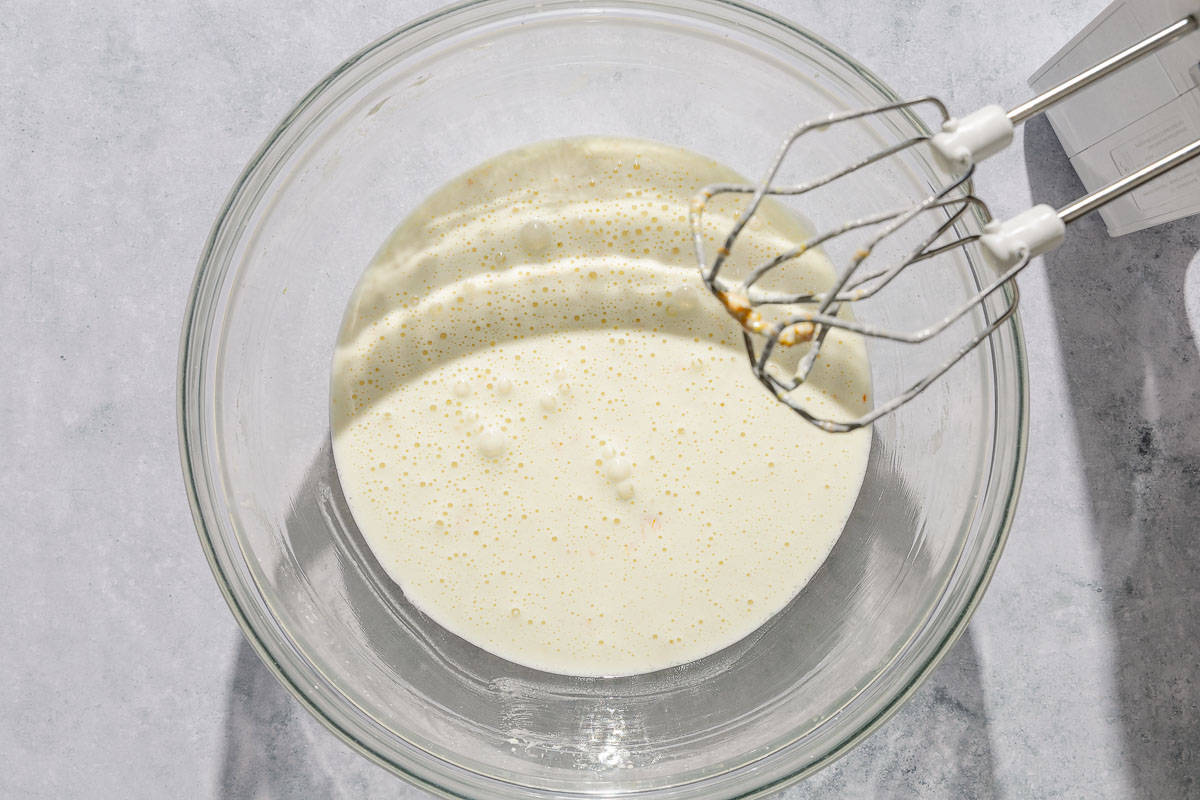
[{"x": 276, "y": 652}]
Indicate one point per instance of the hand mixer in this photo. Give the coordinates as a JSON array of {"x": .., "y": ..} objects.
[{"x": 773, "y": 319}]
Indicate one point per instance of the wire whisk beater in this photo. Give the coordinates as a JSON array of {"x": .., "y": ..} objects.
[{"x": 774, "y": 319}]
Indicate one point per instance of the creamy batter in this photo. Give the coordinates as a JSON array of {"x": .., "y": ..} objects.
[{"x": 547, "y": 431}]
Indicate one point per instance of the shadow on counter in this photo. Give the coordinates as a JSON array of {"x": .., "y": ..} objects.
[
  {"x": 1133, "y": 373},
  {"x": 936, "y": 746}
]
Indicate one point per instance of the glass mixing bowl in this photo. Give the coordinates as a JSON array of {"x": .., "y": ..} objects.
[{"x": 353, "y": 158}]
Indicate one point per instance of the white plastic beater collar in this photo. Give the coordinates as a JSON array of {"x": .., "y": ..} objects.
[
  {"x": 1028, "y": 234},
  {"x": 968, "y": 140}
]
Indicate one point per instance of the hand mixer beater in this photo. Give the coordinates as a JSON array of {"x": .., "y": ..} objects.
[{"x": 772, "y": 319}]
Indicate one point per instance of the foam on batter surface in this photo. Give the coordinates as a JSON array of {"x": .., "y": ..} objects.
[{"x": 546, "y": 429}]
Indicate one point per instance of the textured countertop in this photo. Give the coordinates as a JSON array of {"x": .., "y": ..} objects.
[{"x": 122, "y": 127}]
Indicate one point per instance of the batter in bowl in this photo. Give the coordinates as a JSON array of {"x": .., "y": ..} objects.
[{"x": 546, "y": 429}]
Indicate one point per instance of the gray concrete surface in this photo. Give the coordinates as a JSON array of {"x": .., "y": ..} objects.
[{"x": 123, "y": 125}]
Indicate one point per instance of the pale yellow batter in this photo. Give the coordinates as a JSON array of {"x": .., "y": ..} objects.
[{"x": 546, "y": 429}]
